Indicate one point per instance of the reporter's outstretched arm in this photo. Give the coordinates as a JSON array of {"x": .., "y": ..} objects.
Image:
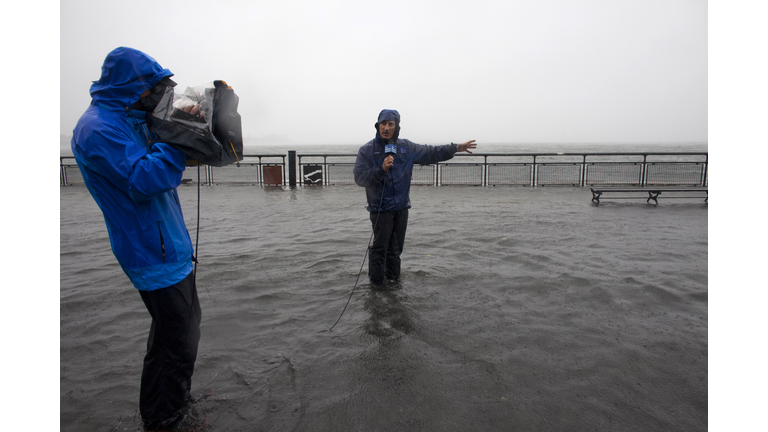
[{"x": 466, "y": 147}]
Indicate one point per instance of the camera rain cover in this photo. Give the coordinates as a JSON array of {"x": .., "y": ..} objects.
[{"x": 213, "y": 136}]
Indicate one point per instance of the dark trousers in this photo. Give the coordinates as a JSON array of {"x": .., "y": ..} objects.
[
  {"x": 166, "y": 380},
  {"x": 388, "y": 239}
]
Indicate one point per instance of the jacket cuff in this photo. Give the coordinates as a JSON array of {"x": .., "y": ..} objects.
[
  {"x": 380, "y": 174},
  {"x": 454, "y": 147}
]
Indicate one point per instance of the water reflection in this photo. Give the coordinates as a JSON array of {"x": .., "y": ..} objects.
[{"x": 389, "y": 316}]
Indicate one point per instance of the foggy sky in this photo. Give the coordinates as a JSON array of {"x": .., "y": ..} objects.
[{"x": 496, "y": 71}]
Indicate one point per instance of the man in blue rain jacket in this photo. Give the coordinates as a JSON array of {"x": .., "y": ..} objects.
[
  {"x": 133, "y": 181},
  {"x": 384, "y": 166}
]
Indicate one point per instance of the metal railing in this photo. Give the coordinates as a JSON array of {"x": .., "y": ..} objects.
[
  {"x": 488, "y": 169},
  {"x": 529, "y": 169},
  {"x": 336, "y": 171},
  {"x": 253, "y": 169}
]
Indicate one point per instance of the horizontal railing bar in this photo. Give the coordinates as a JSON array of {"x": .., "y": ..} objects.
[
  {"x": 549, "y": 168},
  {"x": 646, "y": 196},
  {"x": 327, "y": 154},
  {"x": 589, "y": 154}
]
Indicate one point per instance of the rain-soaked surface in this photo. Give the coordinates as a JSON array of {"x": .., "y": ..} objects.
[{"x": 519, "y": 309}]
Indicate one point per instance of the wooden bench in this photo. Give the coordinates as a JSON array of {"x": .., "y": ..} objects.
[{"x": 651, "y": 191}]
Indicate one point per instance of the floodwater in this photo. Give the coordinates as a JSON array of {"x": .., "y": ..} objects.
[{"x": 519, "y": 309}]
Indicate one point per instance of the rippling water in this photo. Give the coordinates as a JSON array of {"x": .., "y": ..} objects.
[{"x": 519, "y": 309}]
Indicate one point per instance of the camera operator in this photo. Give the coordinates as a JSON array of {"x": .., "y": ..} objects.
[{"x": 134, "y": 181}]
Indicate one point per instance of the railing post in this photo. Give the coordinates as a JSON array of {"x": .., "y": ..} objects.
[
  {"x": 260, "y": 174},
  {"x": 284, "y": 173},
  {"x": 62, "y": 172},
  {"x": 644, "y": 171},
  {"x": 300, "y": 169},
  {"x": 292, "y": 168}
]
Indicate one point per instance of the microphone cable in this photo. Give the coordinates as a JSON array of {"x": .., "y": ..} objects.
[
  {"x": 197, "y": 230},
  {"x": 366, "y": 249}
]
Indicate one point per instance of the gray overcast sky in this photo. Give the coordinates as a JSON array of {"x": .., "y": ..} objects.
[{"x": 530, "y": 71}]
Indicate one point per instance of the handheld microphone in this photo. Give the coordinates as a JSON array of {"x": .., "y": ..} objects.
[{"x": 390, "y": 150}]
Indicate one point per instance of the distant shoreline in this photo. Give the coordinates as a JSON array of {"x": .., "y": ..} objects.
[{"x": 65, "y": 150}]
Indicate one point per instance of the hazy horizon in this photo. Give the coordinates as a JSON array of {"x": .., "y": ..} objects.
[{"x": 253, "y": 142}]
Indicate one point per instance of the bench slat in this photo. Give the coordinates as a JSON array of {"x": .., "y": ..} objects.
[{"x": 653, "y": 192}]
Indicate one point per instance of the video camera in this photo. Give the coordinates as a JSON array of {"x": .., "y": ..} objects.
[{"x": 213, "y": 135}]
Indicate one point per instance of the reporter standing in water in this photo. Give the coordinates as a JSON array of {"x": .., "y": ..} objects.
[
  {"x": 133, "y": 180},
  {"x": 383, "y": 167}
]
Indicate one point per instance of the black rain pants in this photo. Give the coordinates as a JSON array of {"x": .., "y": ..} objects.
[
  {"x": 166, "y": 380},
  {"x": 388, "y": 239}
]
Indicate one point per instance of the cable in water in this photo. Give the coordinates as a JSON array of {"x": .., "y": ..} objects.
[{"x": 366, "y": 251}]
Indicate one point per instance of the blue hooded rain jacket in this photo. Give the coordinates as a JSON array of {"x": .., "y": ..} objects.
[
  {"x": 396, "y": 184},
  {"x": 132, "y": 180}
]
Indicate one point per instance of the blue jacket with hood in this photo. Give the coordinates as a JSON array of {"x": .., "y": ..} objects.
[
  {"x": 133, "y": 180},
  {"x": 396, "y": 184}
]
